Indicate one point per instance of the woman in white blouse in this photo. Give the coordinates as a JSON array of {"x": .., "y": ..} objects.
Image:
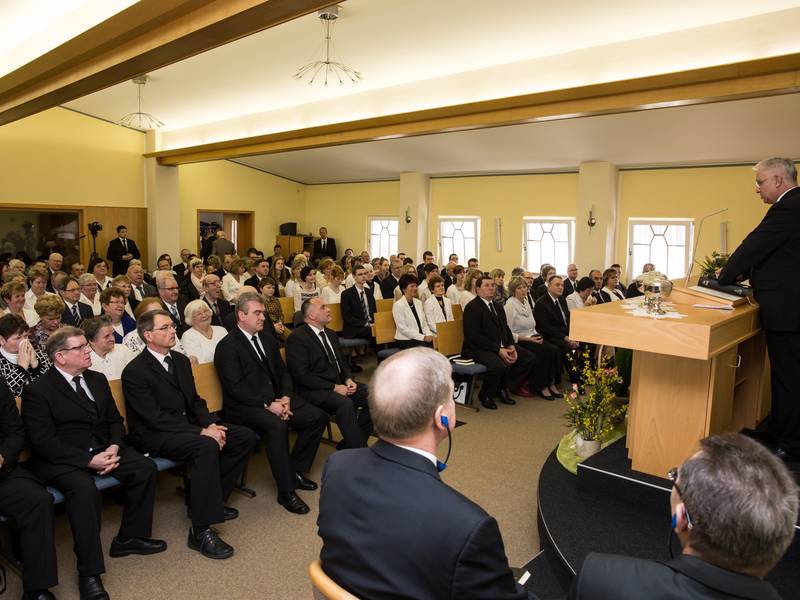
[
  {"x": 609, "y": 291},
  {"x": 455, "y": 289},
  {"x": 294, "y": 279},
  {"x": 547, "y": 372},
  {"x": 99, "y": 268},
  {"x": 468, "y": 293},
  {"x": 13, "y": 293},
  {"x": 108, "y": 358},
  {"x": 37, "y": 276},
  {"x": 409, "y": 316},
  {"x": 202, "y": 338},
  {"x": 307, "y": 288},
  {"x": 582, "y": 296},
  {"x": 332, "y": 293},
  {"x": 372, "y": 283},
  {"x": 438, "y": 307},
  {"x": 233, "y": 280}
]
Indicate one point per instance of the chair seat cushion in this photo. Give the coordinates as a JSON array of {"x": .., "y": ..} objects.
[
  {"x": 162, "y": 464},
  {"x": 475, "y": 369},
  {"x": 352, "y": 342},
  {"x": 387, "y": 352}
]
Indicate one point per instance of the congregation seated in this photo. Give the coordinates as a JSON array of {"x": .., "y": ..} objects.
[
  {"x": 540, "y": 279},
  {"x": 358, "y": 307},
  {"x": 122, "y": 283},
  {"x": 392, "y": 279},
  {"x": 552, "y": 321},
  {"x": 437, "y": 307},
  {"x": 409, "y": 316},
  {"x": 541, "y": 289},
  {"x": 13, "y": 293},
  {"x": 407, "y": 269},
  {"x": 69, "y": 290},
  {"x": 582, "y": 296},
  {"x": 332, "y": 292},
  {"x": 609, "y": 292},
  {"x": 279, "y": 272},
  {"x": 571, "y": 280},
  {"x": 20, "y": 361},
  {"x": 140, "y": 287},
  {"x": 307, "y": 288},
  {"x": 38, "y": 278},
  {"x": 371, "y": 281},
  {"x": 429, "y": 271},
  {"x": 499, "y": 277},
  {"x": 734, "y": 508},
  {"x": 411, "y": 536},
  {"x": 470, "y": 281},
  {"x": 260, "y": 268},
  {"x": 202, "y": 337},
  {"x": 234, "y": 279},
  {"x": 273, "y": 306},
  {"x": 324, "y": 274},
  {"x": 597, "y": 276},
  {"x": 108, "y": 357},
  {"x": 99, "y": 268},
  {"x": 212, "y": 297},
  {"x": 294, "y": 276},
  {"x": 112, "y": 301},
  {"x": 456, "y": 284},
  {"x": 172, "y": 301},
  {"x": 90, "y": 295},
  {"x": 191, "y": 286},
  {"x": 49, "y": 308}
]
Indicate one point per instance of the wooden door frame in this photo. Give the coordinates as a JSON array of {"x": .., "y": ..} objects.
[
  {"x": 83, "y": 243},
  {"x": 224, "y": 211}
]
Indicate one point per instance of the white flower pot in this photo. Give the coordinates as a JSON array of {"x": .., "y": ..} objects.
[{"x": 586, "y": 448}]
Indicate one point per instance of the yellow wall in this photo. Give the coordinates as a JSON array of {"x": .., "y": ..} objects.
[
  {"x": 62, "y": 157},
  {"x": 511, "y": 198},
  {"x": 343, "y": 208},
  {"x": 226, "y": 186}
]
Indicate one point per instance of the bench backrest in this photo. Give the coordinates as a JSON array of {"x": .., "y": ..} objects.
[
  {"x": 384, "y": 328},
  {"x": 450, "y": 337},
  {"x": 384, "y": 304}
]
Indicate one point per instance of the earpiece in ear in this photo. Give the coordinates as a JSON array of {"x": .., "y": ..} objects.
[
  {"x": 674, "y": 520},
  {"x": 445, "y": 421}
]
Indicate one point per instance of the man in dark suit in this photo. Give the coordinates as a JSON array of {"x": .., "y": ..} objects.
[
  {"x": 220, "y": 308},
  {"x": 140, "y": 289},
  {"x": 733, "y": 509},
  {"x": 411, "y": 535},
  {"x": 768, "y": 258},
  {"x": 392, "y": 280},
  {"x": 261, "y": 271},
  {"x": 173, "y": 303},
  {"x": 322, "y": 375},
  {"x": 167, "y": 417},
  {"x": 75, "y": 432},
  {"x": 75, "y": 312},
  {"x": 488, "y": 340},
  {"x": 571, "y": 281},
  {"x": 258, "y": 392},
  {"x": 25, "y": 499},
  {"x": 358, "y": 307},
  {"x": 324, "y": 246},
  {"x": 182, "y": 268},
  {"x": 551, "y": 314},
  {"x": 121, "y": 250}
]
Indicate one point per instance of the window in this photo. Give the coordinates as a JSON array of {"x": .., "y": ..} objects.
[
  {"x": 234, "y": 233},
  {"x": 548, "y": 240},
  {"x": 459, "y": 235},
  {"x": 383, "y": 236},
  {"x": 665, "y": 242}
]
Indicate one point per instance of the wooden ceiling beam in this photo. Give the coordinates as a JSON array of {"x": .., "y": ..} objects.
[{"x": 142, "y": 38}]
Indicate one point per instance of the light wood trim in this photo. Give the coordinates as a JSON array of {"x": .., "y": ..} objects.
[
  {"x": 227, "y": 212},
  {"x": 458, "y": 312},
  {"x": 384, "y": 304},
  {"x": 324, "y": 587},
  {"x": 764, "y": 77},
  {"x": 287, "y": 307},
  {"x": 146, "y": 36},
  {"x": 384, "y": 327},
  {"x": 337, "y": 322},
  {"x": 208, "y": 385},
  {"x": 450, "y": 337}
]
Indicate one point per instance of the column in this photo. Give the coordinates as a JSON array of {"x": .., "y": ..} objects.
[
  {"x": 415, "y": 202},
  {"x": 598, "y": 193},
  {"x": 162, "y": 198}
]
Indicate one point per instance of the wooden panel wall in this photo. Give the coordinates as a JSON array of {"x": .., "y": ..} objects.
[{"x": 135, "y": 219}]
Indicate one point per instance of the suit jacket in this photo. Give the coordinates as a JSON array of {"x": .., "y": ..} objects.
[
  {"x": 482, "y": 331},
  {"x": 548, "y": 318},
  {"x": 568, "y": 287},
  {"x": 308, "y": 362},
  {"x": 12, "y": 433},
  {"x": 188, "y": 290},
  {"x": 224, "y": 309},
  {"x": 116, "y": 252},
  {"x": 330, "y": 249},
  {"x": 221, "y": 247},
  {"x": 180, "y": 305},
  {"x": 158, "y": 404},
  {"x": 247, "y": 382},
  {"x": 84, "y": 310},
  {"x": 353, "y": 311},
  {"x": 149, "y": 290},
  {"x": 768, "y": 257},
  {"x": 392, "y": 529},
  {"x": 62, "y": 427},
  {"x": 387, "y": 286},
  {"x": 607, "y": 577}
]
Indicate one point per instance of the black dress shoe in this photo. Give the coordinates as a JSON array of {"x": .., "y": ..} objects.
[
  {"x": 782, "y": 454},
  {"x": 292, "y": 502},
  {"x": 209, "y": 544},
  {"x": 304, "y": 483},
  {"x": 505, "y": 398},
  {"x": 91, "y": 588},
  {"x": 38, "y": 595},
  {"x": 487, "y": 402},
  {"x": 228, "y": 513},
  {"x": 136, "y": 546},
  {"x": 558, "y": 395}
]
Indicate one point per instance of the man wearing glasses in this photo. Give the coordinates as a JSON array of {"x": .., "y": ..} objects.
[
  {"x": 733, "y": 509},
  {"x": 76, "y": 432},
  {"x": 169, "y": 293}
]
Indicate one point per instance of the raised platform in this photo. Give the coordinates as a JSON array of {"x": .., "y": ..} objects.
[{"x": 610, "y": 508}]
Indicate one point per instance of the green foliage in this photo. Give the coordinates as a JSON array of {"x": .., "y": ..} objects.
[
  {"x": 710, "y": 264},
  {"x": 596, "y": 412}
]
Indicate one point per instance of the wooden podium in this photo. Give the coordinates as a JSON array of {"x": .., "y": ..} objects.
[{"x": 692, "y": 377}]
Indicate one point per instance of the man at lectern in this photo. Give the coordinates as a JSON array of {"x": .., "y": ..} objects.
[{"x": 768, "y": 258}]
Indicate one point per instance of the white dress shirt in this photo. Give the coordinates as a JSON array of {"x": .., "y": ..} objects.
[
  {"x": 197, "y": 345},
  {"x": 574, "y": 301},
  {"x": 433, "y": 311},
  {"x": 113, "y": 363},
  {"x": 70, "y": 383},
  {"x": 406, "y": 323},
  {"x": 454, "y": 294},
  {"x": 160, "y": 358},
  {"x": 421, "y": 452},
  {"x": 97, "y": 310},
  {"x": 31, "y": 298},
  {"x": 230, "y": 287}
]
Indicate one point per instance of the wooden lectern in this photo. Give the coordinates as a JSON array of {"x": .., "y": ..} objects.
[{"x": 692, "y": 377}]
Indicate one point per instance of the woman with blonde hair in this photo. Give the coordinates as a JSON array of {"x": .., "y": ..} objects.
[
  {"x": 234, "y": 279},
  {"x": 13, "y": 293},
  {"x": 37, "y": 278},
  {"x": 468, "y": 293},
  {"x": 332, "y": 293},
  {"x": 202, "y": 337},
  {"x": 192, "y": 286},
  {"x": 324, "y": 272},
  {"x": 49, "y": 308},
  {"x": 294, "y": 277},
  {"x": 498, "y": 276}
]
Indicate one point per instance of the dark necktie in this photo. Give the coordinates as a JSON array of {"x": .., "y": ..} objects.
[
  {"x": 262, "y": 357},
  {"x": 491, "y": 310},
  {"x": 329, "y": 350},
  {"x": 76, "y": 316},
  {"x": 416, "y": 316},
  {"x": 125, "y": 245},
  {"x": 141, "y": 291},
  {"x": 175, "y": 316},
  {"x": 365, "y": 308},
  {"x": 170, "y": 365},
  {"x": 82, "y": 392},
  {"x": 215, "y": 310},
  {"x": 441, "y": 305},
  {"x": 256, "y": 345},
  {"x": 561, "y": 310}
]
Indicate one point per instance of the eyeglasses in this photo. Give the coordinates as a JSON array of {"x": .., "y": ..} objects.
[
  {"x": 171, "y": 289},
  {"x": 672, "y": 475},
  {"x": 82, "y": 347},
  {"x": 165, "y": 327}
]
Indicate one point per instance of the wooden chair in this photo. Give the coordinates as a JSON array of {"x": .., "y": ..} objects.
[
  {"x": 324, "y": 587},
  {"x": 384, "y": 304},
  {"x": 208, "y": 386},
  {"x": 458, "y": 312},
  {"x": 450, "y": 338},
  {"x": 336, "y": 324},
  {"x": 383, "y": 330},
  {"x": 287, "y": 307},
  {"x": 119, "y": 397}
]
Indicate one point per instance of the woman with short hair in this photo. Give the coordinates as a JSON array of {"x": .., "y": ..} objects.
[
  {"x": 13, "y": 293},
  {"x": 37, "y": 278},
  {"x": 49, "y": 308},
  {"x": 122, "y": 282},
  {"x": 20, "y": 362},
  {"x": 108, "y": 357},
  {"x": 457, "y": 286},
  {"x": 192, "y": 286},
  {"x": 409, "y": 316},
  {"x": 99, "y": 268},
  {"x": 307, "y": 288},
  {"x": 234, "y": 279},
  {"x": 202, "y": 337},
  {"x": 438, "y": 307},
  {"x": 609, "y": 291},
  {"x": 113, "y": 300}
]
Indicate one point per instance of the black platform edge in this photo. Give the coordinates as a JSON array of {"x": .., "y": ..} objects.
[{"x": 544, "y": 579}]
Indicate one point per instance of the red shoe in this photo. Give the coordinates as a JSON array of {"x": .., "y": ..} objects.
[{"x": 524, "y": 392}]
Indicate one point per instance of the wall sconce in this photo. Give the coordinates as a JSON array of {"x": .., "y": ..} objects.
[
  {"x": 408, "y": 215},
  {"x": 592, "y": 221}
]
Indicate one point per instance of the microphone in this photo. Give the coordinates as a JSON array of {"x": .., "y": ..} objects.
[{"x": 694, "y": 250}]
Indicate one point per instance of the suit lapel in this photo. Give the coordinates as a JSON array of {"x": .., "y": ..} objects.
[
  {"x": 67, "y": 390},
  {"x": 154, "y": 365},
  {"x": 244, "y": 340}
]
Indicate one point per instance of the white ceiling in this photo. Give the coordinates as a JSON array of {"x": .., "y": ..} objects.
[
  {"x": 419, "y": 54},
  {"x": 742, "y": 131}
]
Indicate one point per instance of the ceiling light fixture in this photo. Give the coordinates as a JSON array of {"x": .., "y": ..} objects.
[
  {"x": 320, "y": 70},
  {"x": 140, "y": 120}
]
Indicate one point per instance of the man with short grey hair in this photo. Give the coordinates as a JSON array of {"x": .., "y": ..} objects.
[
  {"x": 389, "y": 526},
  {"x": 768, "y": 258},
  {"x": 734, "y": 508},
  {"x": 90, "y": 295}
]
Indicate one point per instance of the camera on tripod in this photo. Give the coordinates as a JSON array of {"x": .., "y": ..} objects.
[{"x": 95, "y": 227}]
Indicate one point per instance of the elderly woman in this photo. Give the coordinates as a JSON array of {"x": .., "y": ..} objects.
[
  {"x": 49, "y": 308},
  {"x": 438, "y": 307},
  {"x": 266, "y": 287},
  {"x": 468, "y": 293},
  {"x": 609, "y": 292},
  {"x": 108, "y": 357},
  {"x": 112, "y": 301},
  {"x": 234, "y": 279},
  {"x": 89, "y": 293},
  {"x": 582, "y": 296},
  {"x": 192, "y": 285},
  {"x": 455, "y": 289},
  {"x": 99, "y": 268},
  {"x": 121, "y": 282},
  {"x": 20, "y": 362},
  {"x": 409, "y": 316},
  {"x": 13, "y": 293},
  {"x": 547, "y": 372},
  {"x": 332, "y": 293},
  {"x": 499, "y": 278},
  {"x": 37, "y": 277},
  {"x": 202, "y": 337},
  {"x": 307, "y": 288}
]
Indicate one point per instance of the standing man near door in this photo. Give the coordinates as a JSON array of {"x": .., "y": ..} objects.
[
  {"x": 121, "y": 251},
  {"x": 324, "y": 246}
]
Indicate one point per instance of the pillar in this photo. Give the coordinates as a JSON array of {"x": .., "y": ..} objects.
[
  {"x": 597, "y": 193},
  {"x": 162, "y": 198},
  {"x": 415, "y": 202}
]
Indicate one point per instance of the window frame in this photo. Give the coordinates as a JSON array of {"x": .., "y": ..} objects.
[
  {"x": 570, "y": 221},
  {"x": 373, "y": 218},
  {"x": 448, "y": 218},
  {"x": 687, "y": 221}
]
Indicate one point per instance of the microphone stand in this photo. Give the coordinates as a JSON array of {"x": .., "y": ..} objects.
[{"x": 694, "y": 250}]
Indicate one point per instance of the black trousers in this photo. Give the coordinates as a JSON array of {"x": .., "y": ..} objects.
[
  {"x": 24, "y": 498},
  {"x": 500, "y": 375},
  {"x": 355, "y": 424},
  {"x": 547, "y": 369},
  {"x": 364, "y": 333},
  {"x": 784, "y": 357},
  {"x": 214, "y": 472},
  {"x": 84, "y": 504},
  {"x": 566, "y": 352},
  {"x": 307, "y": 420},
  {"x": 404, "y": 344}
]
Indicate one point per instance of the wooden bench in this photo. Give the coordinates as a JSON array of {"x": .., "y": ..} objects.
[
  {"x": 383, "y": 330},
  {"x": 449, "y": 340},
  {"x": 384, "y": 304}
]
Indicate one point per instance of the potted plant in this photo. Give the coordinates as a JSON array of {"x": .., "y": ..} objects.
[
  {"x": 710, "y": 264},
  {"x": 594, "y": 410}
]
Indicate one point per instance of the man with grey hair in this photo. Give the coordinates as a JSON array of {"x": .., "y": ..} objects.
[
  {"x": 768, "y": 258},
  {"x": 141, "y": 289},
  {"x": 171, "y": 300},
  {"x": 389, "y": 526},
  {"x": 90, "y": 295},
  {"x": 734, "y": 507}
]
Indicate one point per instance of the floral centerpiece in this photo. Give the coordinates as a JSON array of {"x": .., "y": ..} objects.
[{"x": 710, "y": 264}]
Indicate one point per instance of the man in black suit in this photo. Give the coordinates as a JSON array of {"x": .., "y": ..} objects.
[
  {"x": 257, "y": 391},
  {"x": 172, "y": 301},
  {"x": 182, "y": 268},
  {"x": 571, "y": 281},
  {"x": 551, "y": 314},
  {"x": 140, "y": 289},
  {"x": 768, "y": 258},
  {"x": 411, "y": 535},
  {"x": 324, "y": 246},
  {"x": 358, "y": 307},
  {"x": 167, "y": 417},
  {"x": 76, "y": 432},
  {"x": 733, "y": 509},
  {"x": 392, "y": 280},
  {"x": 75, "y": 312},
  {"x": 427, "y": 259},
  {"x": 322, "y": 375},
  {"x": 488, "y": 340},
  {"x": 220, "y": 308},
  {"x": 121, "y": 250},
  {"x": 25, "y": 499},
  {"x": 261, "y": 267}
]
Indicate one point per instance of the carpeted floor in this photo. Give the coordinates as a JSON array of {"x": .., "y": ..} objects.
[{"x": 496, "y": 459}]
